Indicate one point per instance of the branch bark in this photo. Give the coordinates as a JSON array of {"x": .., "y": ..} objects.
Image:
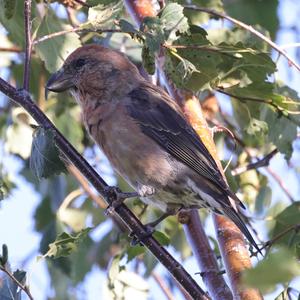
[
  {"x": 231, "y": 241},
  {"x": 28, "y": 43},
  {"x": 21, "y": 97},
  {"x": 204, "y": 255}
]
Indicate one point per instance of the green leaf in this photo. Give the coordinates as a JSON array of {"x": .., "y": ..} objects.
[
  {"x": 173, "y": 21},
  {"x": 282, "y": 131},
  {"x": 257, "y": 127},
  {"x": 75, "y": 218},
  {"x": 148, "y": 60},
  {"x": 150, "y": 263},
  {"x": 20, "y": 275},
  {"x": 44, "y": 215},
  {"x": 290, "y": 216},
  {"x": 114, "y": 270},
  {"x": 127, "y": 27},
  {"x": 4, "y": 255},
  {"x": 255, "y": 12},
  {"x": 154, "y": 33},
  {"x": 103, "y": 16},
  {"x": 19, "y": 134},
  {"x": 15, "y": 24},
  {"x": 165, "y": 27},
  {"x": 133, "y": 252},
  {"x": 55, "y": 50},
  {"x": 6, "y": 186},
  {"x": 70, "y": 125},
  {"x": 65, "y": 244},
  {"x": 9, "y": 8},
  {"x": 162, "y": 238},
  {"x": 237, "y": 35},
  {"x": 263, "y": 199},
  {"x": 80, "y": 260},
  {"x": 278, "y": 267},
  {"x": 44, "y": 159},
  {"x": 263, "y": 102},
  {"x": 197, "y": 17}
]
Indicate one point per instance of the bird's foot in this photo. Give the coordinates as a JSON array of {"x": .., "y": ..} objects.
[
  {"x": 145, "y": 190},
  {"x": 135, "y": 240},
  {"x": 116, "y": 197},
  {"x": 149, "y": 229}
]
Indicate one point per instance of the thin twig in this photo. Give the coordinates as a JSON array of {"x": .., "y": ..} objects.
[
  {"x": 17, "y": 282},
  {"x": 164, "y": 287},
  {"x": 86, "y": 187},
  {"x": 76, "y": 30},
  {"x": 281, "y": 184},
  {"x": 28, "y": 43},
  {"x": 248, "y": 28},
  {"x": 269, "y": 243},
  {"x": 204, "y": 255},
  {"x": 260, "y": 100},
  {"x": 201, "y": 47},
  {"x": 264, "y": 162},
  {"x": 11, "y": 49},
  {"x": 82, "y": 3}
]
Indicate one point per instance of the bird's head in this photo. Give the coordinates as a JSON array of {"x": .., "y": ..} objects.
[{"x": 95, "y": 72}]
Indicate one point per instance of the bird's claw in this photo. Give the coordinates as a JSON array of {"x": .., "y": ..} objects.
[
  {"x": 145, "y": 190},
  {"x": 116, "y": 197},
  {"x": 135, "y": 240}
]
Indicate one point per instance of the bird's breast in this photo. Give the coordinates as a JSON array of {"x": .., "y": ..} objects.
[{"x": 132, "y": 154}]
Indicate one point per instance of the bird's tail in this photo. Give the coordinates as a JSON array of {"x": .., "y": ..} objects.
[{"x": 237, "y": 220}]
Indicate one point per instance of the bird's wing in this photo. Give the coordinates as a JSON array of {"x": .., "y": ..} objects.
[{"x": 163, "y": 122}]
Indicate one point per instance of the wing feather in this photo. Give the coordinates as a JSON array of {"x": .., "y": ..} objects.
[{"x": 161, "y": 121}]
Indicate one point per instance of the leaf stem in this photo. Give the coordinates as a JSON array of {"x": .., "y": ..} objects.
[
  {"x": 248, "y": 28},
  {"x": 72, "y": 30}
]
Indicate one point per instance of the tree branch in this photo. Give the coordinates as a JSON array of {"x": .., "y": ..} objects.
[
  {"x": 260, "y": 100},
  {"x": 17, "y": 282},
  {"x": 165, "y": 289},
  {"x": 269, "y": 243},
  {"x": 21, "y": 97},
  {"x": 264, "y": 162},
  {"x": 28, "y": 43},
  {"x": 11, "y": 49},
  {"x": 248, "y": 28},
  {"x": 204, "y": 255},
  {"x": 281, "y": 184},
  {"x": 231, "y": 241}
]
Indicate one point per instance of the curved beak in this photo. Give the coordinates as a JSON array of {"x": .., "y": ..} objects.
[{"x": 59, "y": 82}]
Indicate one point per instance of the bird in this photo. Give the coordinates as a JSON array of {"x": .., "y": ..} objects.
[{"x": 144, "y": 134}]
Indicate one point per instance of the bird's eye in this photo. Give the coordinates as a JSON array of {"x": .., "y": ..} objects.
[{"x": 79, "y": 63}]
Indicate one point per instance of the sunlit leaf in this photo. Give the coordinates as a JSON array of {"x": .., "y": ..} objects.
[
  {"x": 54, "y": 51},
  {"x": 197, "y": 17},
  {"x": 44, "y": 159},
  {"x": 278, "y": 267},
  {"x": 65, "y": 244},
  {"x": 289, "y": 217},
  {"x": 133, "y": 252},
  {"x": 103, "y": 15}
]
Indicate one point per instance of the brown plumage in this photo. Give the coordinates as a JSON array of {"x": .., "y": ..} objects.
[{"x": 144, "y": 134}]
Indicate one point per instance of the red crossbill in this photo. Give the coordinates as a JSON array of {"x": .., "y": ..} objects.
[{"x": 144, "y": 134}]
